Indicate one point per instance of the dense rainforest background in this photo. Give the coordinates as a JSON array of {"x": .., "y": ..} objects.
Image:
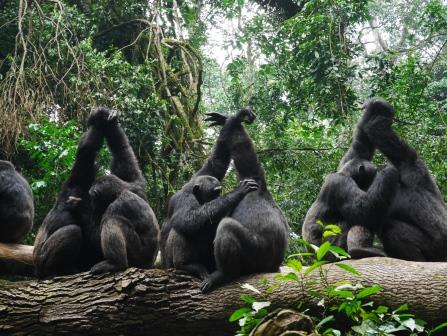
[{"x": 305, "y": 67}]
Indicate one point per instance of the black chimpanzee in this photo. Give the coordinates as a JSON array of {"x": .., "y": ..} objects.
[
  {"x": 16, "y": 204},
  {"x": 253, "y": 238},
  {"x": 123, "y": 225},
  {"x": 415, "y": 227},
  {"x": 195, "y": 211},
  {"x": 59, "y": 242},
  {"x": 353, "y": 198}
]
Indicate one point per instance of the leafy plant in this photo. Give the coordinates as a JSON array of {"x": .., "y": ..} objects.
[{"x": 249, "y": 316}]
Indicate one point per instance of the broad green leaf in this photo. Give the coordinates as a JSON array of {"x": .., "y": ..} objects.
[
  {"x": 295, "y": 265},
  {"x": 239, "y": 314},
  {"x": 248, "y": 299},
  {"x": 322, "y": 250},
  {"x": 332, "y": 227},
  {"x": 404, "y": 307},
  {"x": 381, "y": 310},
  {"x": 338, "y": 250},
  {"x": 348, "y": 268},
  {"x": 368, "y": 292}
]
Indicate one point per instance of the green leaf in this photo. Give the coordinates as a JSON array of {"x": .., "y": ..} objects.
[
  {"x": 332, "y": 227},
  {"x": 239, "y": 314},
  {"x": 368, "y": 292},
  {"x": 314, "y": 266},
  {"x": 295, "y": 265},
  {"x": 327, "y": 234},
  {"x": 338, "y": 251},
  {"x": 342, "y": 293},
  {"x": 381, "y": 310},
  {"x": 404, "y": 307},
  {"x": 325, "y": 320},
  {"x": 248, "y": 299},
  {"x": 323, "y": 249},
  {"x": 348, "y": 268},
  {"x": 437, "y": 328}
]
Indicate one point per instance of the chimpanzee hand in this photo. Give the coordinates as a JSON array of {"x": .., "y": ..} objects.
[
  {"x": 216, "y": 119},
  {"x": 376, "y": 108},
  {"x": 102, "y": 117},
  {"x": 248, "y": 185}
]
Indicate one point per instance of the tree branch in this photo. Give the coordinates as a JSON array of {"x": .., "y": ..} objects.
[{"x": 157, "y": 302}]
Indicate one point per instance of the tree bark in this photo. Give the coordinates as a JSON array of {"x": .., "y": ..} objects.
[{"x": 158, "y": 302}]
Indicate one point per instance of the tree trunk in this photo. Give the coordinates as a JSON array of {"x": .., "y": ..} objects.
[{"x": 158, "y": 302}]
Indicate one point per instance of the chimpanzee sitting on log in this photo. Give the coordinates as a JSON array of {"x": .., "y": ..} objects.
[
  {"x": 195, "y": 211},
  {"x": 353, "y": 198}
]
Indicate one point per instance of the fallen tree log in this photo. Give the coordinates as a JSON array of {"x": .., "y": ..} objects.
[{"x": 158, "y": 302}]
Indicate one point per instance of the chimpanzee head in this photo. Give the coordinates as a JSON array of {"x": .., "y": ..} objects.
[
  {"x": 105, "y": 190},
  {"x": 206, "y": 188},
  {"x": 246, "y": 115},
  {"x": 362, "y": 171}
]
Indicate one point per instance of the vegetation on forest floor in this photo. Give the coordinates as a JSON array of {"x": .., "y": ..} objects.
[{"x": 343, "y": 303}]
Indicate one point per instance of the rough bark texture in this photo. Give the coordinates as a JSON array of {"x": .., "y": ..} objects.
[{"x": 156, "y": 302}]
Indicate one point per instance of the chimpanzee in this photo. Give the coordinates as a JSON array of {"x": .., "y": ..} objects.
[
  {"x": 253, "y": 238},
  {"x": 353, "y": 198},
  {"x": 123, "y": 223},
  {"x": 16, "y": 204},
  {"x": 194, "y": 212},
  {"x": 415, "y": 227},
  {"x": 60, "y": 240}
]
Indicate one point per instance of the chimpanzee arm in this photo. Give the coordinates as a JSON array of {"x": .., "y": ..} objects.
[
  {"x": 124, "y": 162},
  {"x": 83, "y": 171},
  {"x": 189, "y": 220},
  {"x": 361, "y": 147},
  {"x": 363, "y": 208},
  {"x": 388, "y": 142},
  {"x": 217, "y": 163},
  {"x": 244, "y": 154}
]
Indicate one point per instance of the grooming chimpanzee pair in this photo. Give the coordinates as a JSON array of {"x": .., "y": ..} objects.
[
  {"x": 221, "y": 238},
  {"x": 402, "y": 204},
  {"x": 104, "y": 224}
]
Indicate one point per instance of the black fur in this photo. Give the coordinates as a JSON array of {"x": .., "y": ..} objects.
[
  {"x": 416, "y": 224},
  {"x": 254, "y": 238},
  {"x": 59, "y": 242},
  {"x": 16, "y": 204},
  {"x": 353, "y": 198},
  {"x": 124, "y": 226},
  {"x": 194, "y": 212}
]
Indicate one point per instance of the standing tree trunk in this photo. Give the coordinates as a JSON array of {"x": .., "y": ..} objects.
[{"x": 158, "y": 302}]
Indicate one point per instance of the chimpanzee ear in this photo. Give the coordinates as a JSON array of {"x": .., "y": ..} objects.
[{"x": 196, "y": 192}]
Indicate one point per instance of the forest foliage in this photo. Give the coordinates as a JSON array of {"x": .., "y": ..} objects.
[{"x": 164, "y": 63}]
